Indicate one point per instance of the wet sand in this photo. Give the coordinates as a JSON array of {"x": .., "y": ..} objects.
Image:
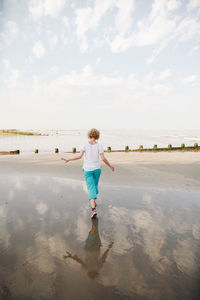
[
  {"x": 160, "y": 170},
  {"x": 144, "y": 245}
]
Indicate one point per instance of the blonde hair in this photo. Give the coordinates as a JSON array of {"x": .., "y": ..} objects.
[{"x": 94, "y": 133}]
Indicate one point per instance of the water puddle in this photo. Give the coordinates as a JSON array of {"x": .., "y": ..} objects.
[{"x": 145, "y": 243}]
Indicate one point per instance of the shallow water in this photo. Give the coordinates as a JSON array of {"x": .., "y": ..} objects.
[{"x": 144, "y": 245}]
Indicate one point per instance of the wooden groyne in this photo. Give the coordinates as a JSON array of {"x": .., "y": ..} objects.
[
  {"x": 4, "y": 152},
  {"x": 186, "y": 149},
  {"x": 170, "y": 148},
  {"x": 9, "y": 152},
  {"x": 183, "y": 148}
]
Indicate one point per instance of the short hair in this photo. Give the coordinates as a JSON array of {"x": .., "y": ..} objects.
[{"x": 94, "y": 133}]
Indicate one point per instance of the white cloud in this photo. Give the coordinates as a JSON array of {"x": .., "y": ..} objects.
[
  {"x": 13, "y": 80},
  {"x": 35, "y": 81},
  {"x": 16, "y": 73},
  {"x": 189, "y": 27},
  {"x": 10, "y": 32},
  {"x": 186, "y": 29},
  {"x": 151, "y": 33},
  {"x": 88, "y": 18},
  {"x": 156, "y": 52},
  {"x": 193, "y": 4},
  {"x": 64, "y": 39},
  {"x": 193, "y": 50},
  {"x": 6, "y": 63},
  {"x": 165, "y": 74},
  {"x": 38, "y": 49},
  {"x": 83, "y": 45},
  {"x": 161, "y": 89},
  {"x": 98, "y": 61},
  {"x": 191, "y": 79},
  {"x": 11, "y": 27},
  {"x": 123, "y": 22},
  {"x": 83, "y": 22},
  {"x": 150, "y": 76},
  {"x": 173, "y": 4},
  {"x": 159, "y": 24},
  {"x": 53, "y": 70},
  {"x": 65, "y": 21},
  {"x": 84, "y": 84},
  {"x": 41, "y": 208},
  {"x": 154, "y": 29},
  {"x": 120, "y": 43},
  {"x": 53, "y": 40},
  {"x": 163, "y": 26},
  {"x": 29, "y": 60},
  {"x": 162, "y": 6},
  {"x": 124, "y": 18},
  {"x": 40, "y": 8}
]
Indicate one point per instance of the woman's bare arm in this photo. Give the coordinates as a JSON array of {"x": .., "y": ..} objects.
[
  {"x": 106, "y": 161},
  {"x": 74, "y": 257},
  {"x": 75, "y": 157},
  {"x": 102, "y": 260}
]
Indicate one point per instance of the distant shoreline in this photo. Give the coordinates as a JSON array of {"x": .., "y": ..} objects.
[{"x": 11, "y": 132}]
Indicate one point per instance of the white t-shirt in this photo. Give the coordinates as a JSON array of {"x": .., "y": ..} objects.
[{"x": 91, "y": 155}]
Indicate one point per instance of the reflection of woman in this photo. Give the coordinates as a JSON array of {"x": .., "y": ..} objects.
[{"x": 92, "y": 263}]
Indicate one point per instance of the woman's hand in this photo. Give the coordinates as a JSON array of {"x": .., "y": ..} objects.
[
  {"x": 112, "y": 168},
  {"x": 66, "y": 160}
]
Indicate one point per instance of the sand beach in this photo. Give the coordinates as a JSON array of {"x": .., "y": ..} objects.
[
  {"x": 147, "y": 228},
  {"x": 173, "y": 170}
]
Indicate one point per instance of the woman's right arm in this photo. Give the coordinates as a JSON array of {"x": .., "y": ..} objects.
[{"x": 74, "y": 158}]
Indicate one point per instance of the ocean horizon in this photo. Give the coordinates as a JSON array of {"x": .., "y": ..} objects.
[{"x": 65, "y": 140}]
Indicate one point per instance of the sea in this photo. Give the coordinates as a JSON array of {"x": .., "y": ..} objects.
[{"x": 65, "y": 140}]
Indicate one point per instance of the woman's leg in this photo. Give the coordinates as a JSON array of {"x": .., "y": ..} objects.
[
  {"x": 91, "y": 186},
  {"x": 97, "y": 174}
]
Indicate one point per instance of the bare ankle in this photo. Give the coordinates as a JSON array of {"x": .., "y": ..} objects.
[{"x": 92, "y": 202}]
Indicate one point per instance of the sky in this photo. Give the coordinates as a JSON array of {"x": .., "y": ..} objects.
[{"x": 109, "y": 64}]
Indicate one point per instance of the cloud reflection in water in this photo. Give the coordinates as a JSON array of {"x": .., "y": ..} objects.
[{"x": 156, "y": 237}]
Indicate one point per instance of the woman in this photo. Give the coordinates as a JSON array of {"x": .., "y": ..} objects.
[{"x": 92, "y": 149}]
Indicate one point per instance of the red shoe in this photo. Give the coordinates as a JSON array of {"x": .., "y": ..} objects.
[{"x": 94, "y": 213}]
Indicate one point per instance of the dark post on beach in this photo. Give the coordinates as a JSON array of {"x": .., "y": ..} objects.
[{"x": 126, "y": 148}]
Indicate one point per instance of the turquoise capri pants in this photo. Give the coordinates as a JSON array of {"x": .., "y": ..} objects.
[{"x": 92, "y": 180}]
